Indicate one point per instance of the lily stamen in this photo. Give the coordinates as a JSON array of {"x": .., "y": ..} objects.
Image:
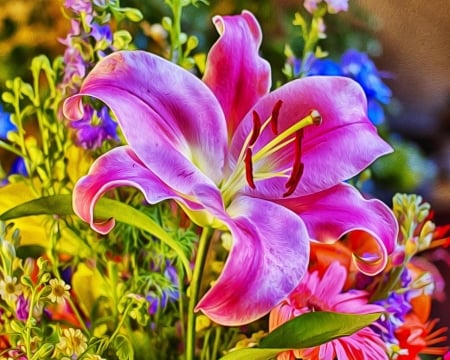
[
  {"x": 274, "y": 117},
  {"x": 297, "y": 168},
  {"x": 313, "y": 118},
  {"x": 244, "y": 162},
  {"x": 249, "y": 168},
  {"x": 247, "y": 160}
]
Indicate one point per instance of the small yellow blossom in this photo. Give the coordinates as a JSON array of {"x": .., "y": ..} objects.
[
  {"x": 9, "y": 289},
  {"x": 72, "y": 342},
  {"x": 60, "y": 291}
]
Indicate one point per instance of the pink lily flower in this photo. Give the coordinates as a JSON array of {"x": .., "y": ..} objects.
[{"x": 266, "y": 166}]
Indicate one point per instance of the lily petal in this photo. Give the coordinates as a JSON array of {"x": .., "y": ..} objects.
[
  {"x": 267, "y": 261},
  {"x": 119, "y": 167},
  {"x": 235, "y": 72},
  {"x": 169, "y": 117},
  {"x": 330, "y": 214},
  {"x": 344, "y": 144}
]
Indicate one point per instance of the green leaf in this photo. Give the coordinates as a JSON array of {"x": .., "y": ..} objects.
[
  {"x": 252, "y": 353},
  {"x": 123, "y": 347},
  {"x": 316, "y": 328},
  {"x": 105, "y": 209},
  {"x": 307, "y": 330}
]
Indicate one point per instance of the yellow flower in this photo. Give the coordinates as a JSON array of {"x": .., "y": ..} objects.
[
  {"x": 60, "y": 291},
  {"x": 9, "y": 289},
  {"x": 89, "y": 285},
  {"x": 72, "y": 342}
]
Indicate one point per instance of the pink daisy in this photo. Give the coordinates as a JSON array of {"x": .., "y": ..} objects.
[{"x": 325, "y": 294}]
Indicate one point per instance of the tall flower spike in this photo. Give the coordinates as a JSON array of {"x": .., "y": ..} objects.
[{"x": 189, "y": 139}]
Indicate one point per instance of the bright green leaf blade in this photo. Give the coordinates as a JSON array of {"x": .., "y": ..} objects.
[
  {"x": 106, "y": 208},
  {"x": 252, "y": 353},
  {"x": 307, "y": 330},
  {"x": 50, "y": 205},
  {"x": 315, "y": 328}
]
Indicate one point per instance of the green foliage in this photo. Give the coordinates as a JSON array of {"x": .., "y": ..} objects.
[{"x": 105, "y": 209}]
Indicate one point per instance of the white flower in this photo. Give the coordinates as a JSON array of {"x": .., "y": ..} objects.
[
  {"x": 60, "y": 291},
  {"x": 72, "y": 342},
  {"x": 9, "y": 289}
]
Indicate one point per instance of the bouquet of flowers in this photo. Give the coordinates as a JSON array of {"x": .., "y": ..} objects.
[{"x": 171, "y": 204}]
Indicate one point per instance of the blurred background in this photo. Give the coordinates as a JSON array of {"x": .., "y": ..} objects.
[{"x": 408, "y": 42}]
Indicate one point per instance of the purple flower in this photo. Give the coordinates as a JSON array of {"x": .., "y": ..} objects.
[
  {"x": 102, "y": 33},
  {"x": 22, "y": 308},
  {"x": 79, "y": 6},
  {"x": 334, "y": 6},
  {"x": 95, "y": 127},
  {"x": 396, "y": 307}
]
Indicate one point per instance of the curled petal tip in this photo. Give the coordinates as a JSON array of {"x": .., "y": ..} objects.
[
  {"x": 73, "y": 108},
  {"x": 370, "y": 265},
  {"x": 103, "y": 227}
]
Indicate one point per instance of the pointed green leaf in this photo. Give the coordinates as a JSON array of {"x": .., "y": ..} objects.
[
  {"x": 105, "y": 209},
  {"x": 315, "y": 328},
  {"x": 305, "y": 331}
]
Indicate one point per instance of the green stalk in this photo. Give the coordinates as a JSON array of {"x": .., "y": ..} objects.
[
  {"x": 200, "y": 261},
  {"x": 175, "y": 32}
]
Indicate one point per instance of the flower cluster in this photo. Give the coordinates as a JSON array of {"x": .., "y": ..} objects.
[
  {"x": 173, "y": 207},
  {"x": 402, "y": 292},
  {"x": 90, "y": 39}
]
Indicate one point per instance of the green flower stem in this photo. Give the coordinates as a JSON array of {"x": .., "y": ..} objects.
[
  {"x": 10, "y": 148},
  {"x": 117, "y": 330},
  {"x": 200, "y": 261},
  {"x": 29, "y": 323},
  {"x": 215, "y": 349},
  {"x": 181, "y": 300},
  {"x": 78, "y": 316},
  {"x": 175, "y": 32}
]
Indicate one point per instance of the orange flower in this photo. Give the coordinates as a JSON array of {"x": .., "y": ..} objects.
[
  {"x": 323, "y": 255},
  {"x": 418, "y": 337},
  {"x": 356, "y": 243}
]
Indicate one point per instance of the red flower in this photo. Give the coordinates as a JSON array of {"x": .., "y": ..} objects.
[{"x": 419, "y": 338}]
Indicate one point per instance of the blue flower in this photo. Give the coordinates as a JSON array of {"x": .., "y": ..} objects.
[
  {"x": 160, "y": 299},
  {"x": 18, "y": 165},
  {"x": 5, "y": 124}
]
